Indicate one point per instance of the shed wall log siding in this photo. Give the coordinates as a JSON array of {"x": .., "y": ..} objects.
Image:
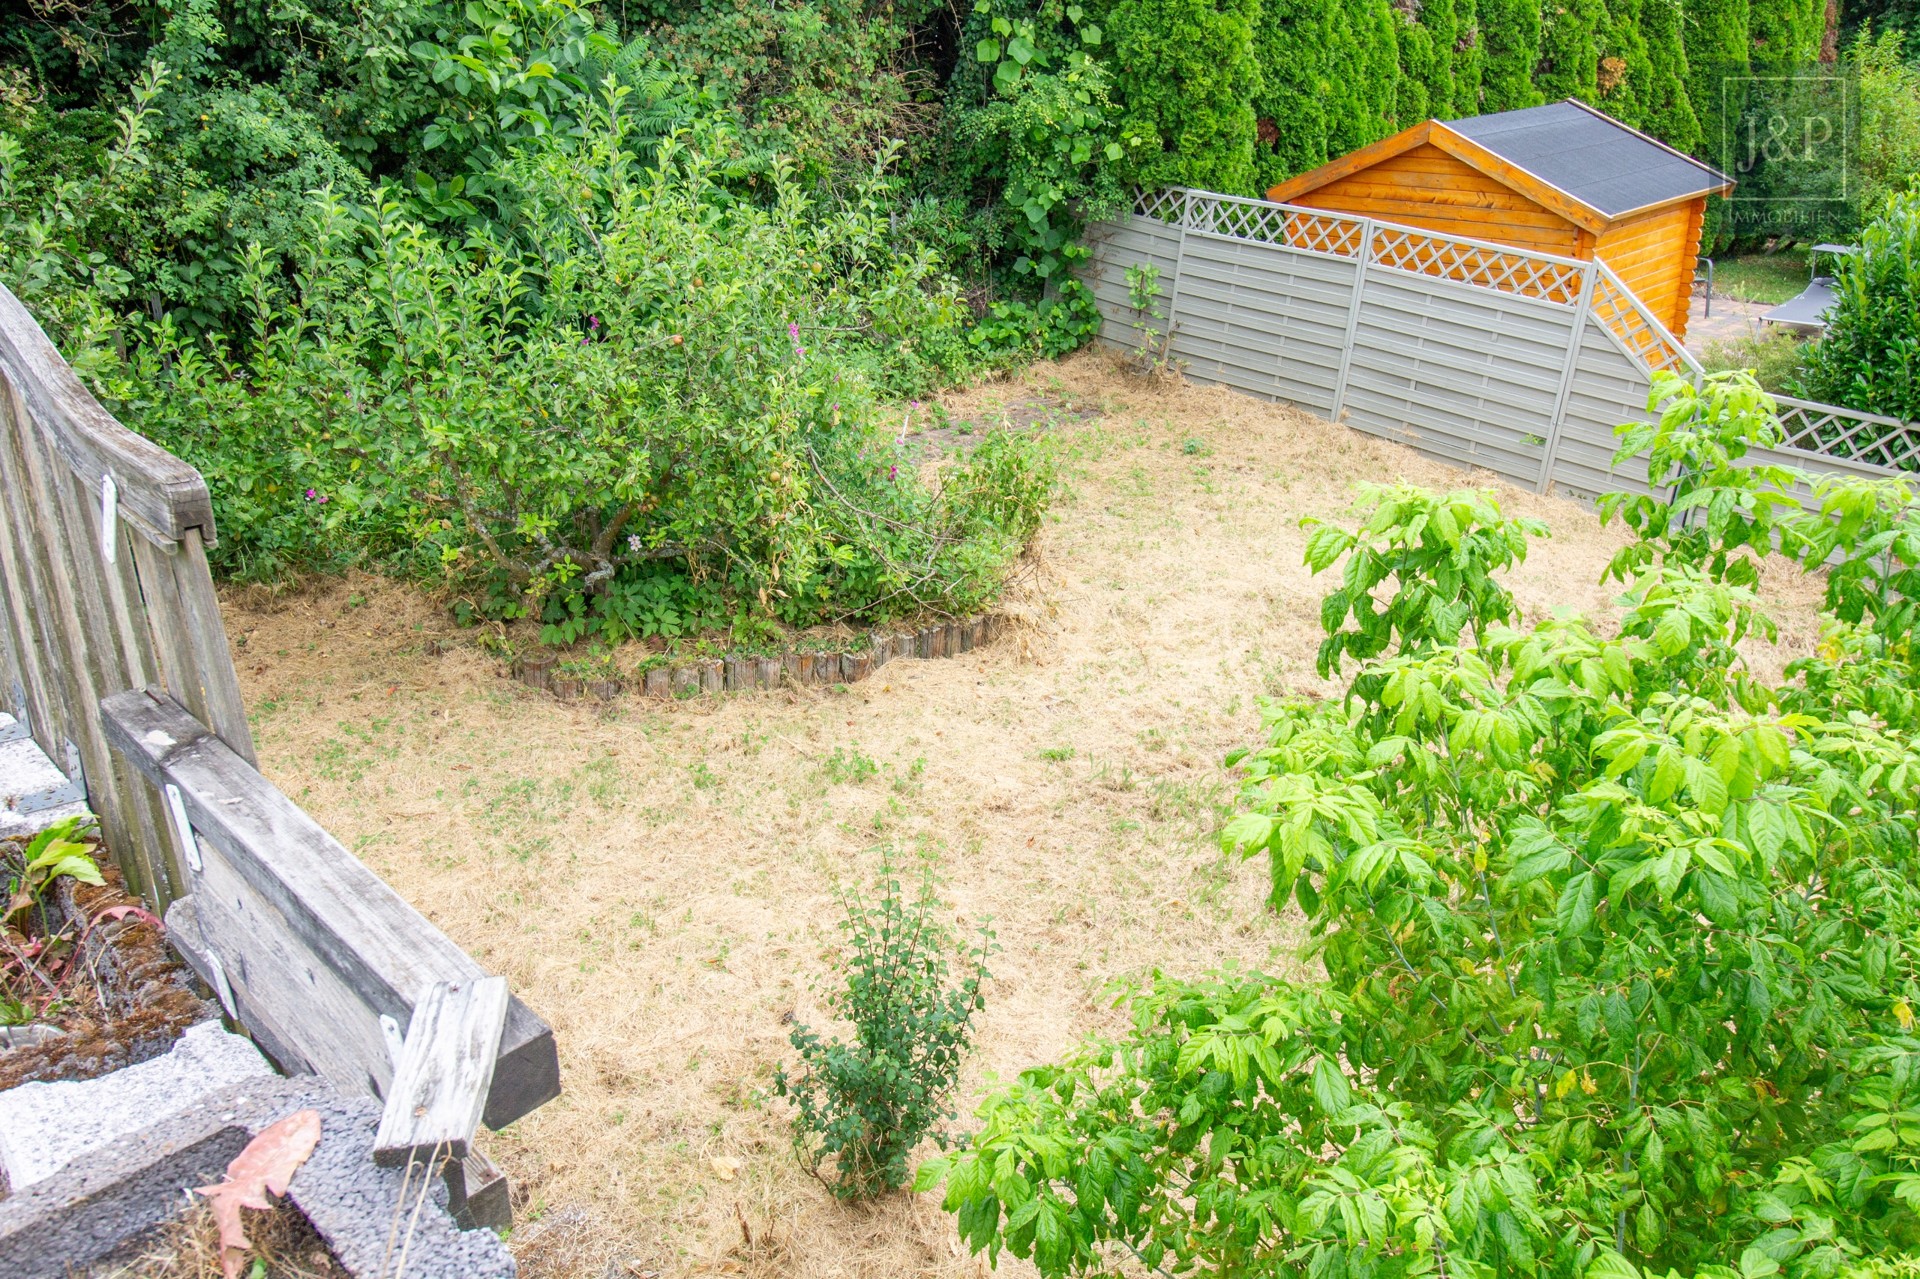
[
  {"x": 1429, "y": 189},
  {"x": 1653, "y": 255}
]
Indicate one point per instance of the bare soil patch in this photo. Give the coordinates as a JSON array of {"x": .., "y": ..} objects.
[{"x": 657, "y": 878}]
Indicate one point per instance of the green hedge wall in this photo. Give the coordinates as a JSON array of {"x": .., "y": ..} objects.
[{"x": 1329, "y": 76}]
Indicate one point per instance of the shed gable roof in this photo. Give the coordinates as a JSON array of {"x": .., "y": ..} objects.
[
  {"x": 1567, "y": 157},
  {"x": 1592, "y": 157}
]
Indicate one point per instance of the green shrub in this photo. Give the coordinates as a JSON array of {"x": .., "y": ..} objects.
[
  {"x": 1185, "y": 80},
  {"x": 1439, "y": 552},
  {"x": 1510, "y": 38},
  {"x": 1719, "y": 47},
  {"x": 1621, "y": 969},
  {"x": 1290, "y": 42},
  {"x": 1572, "y": 36},
  {"x": 1715, "y": 514},
  {"x": 1887, "y": 156},
  {"x": 863, "y": 1106},
  {"x": 1775, "y": 358},
  {"x": 1863, "y": 535},
  {"x": 1668, "y": 112},
  {"x": 644, "y": 374},
  {"x": 1869, "y": 358}
]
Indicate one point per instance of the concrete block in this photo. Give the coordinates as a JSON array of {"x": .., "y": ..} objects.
[
  {"x": 89, "y": 1209},
  {"x": 45, "y": 1126}
]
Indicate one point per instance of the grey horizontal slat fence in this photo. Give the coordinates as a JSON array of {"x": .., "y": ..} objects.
[{"x": 1474, "y": 353}]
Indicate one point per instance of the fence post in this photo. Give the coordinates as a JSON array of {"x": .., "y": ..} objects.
[
  {"x": 1353, "y": 321},
  {"x": 1582, "y": 309},
  {"x": 1179, "y": 267}
]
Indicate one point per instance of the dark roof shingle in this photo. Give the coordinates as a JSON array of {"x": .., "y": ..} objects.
[{"x": 1586, "y": 155}]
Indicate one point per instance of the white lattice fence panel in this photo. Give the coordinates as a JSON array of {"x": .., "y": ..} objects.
[
  {"x": 1165, "y": 205},
  {"x": 1281, "y": 225},
  {"x": 1860, "y": 437},
  {"x": 1621, "y": 314},
  {"x": 1318, "y": 233},
  {"x": 1485, "y": 266}
]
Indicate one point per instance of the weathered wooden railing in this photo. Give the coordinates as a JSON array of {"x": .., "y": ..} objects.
[
  {"x": 113, "y": 653},
  {"x": 103, "y": 539}
]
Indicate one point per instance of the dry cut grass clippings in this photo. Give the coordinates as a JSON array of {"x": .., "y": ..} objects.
[{"x": 285, "y": 1246}]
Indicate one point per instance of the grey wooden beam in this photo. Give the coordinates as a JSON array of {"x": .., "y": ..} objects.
[
  {"x": 446, "y": 1065},
  {"x": 157, "y": 492},
  {"x": 310, "y": 941}
]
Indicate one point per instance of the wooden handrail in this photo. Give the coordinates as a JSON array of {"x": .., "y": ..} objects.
[
  {"x": 310, "y": 946},
  {"x": 112, "y": 651},
  {"x": 103, "y": 538},
  {"x": 158, "y": 493}
]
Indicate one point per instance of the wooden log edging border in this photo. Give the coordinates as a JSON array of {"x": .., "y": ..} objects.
[{"x": 795, "y": 668}]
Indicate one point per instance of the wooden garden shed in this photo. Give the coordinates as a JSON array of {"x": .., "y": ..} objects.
[{"x": 1561, "y": 178}]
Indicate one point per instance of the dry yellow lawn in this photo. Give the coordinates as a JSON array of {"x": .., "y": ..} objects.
[{"x": 658, "y": 879}]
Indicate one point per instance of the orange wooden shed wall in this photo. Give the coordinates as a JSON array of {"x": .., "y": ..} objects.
[{"x": 1411, "y": 180}]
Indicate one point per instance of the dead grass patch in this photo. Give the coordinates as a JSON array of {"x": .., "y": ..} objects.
[
  {"x": 285, "y": 1246},
  {"x": 658, "y": 879}
]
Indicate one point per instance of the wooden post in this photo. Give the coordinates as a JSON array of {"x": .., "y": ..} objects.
[
  {"x": 446, "y": 1066},
  {"x": 1188, "y": 204},
  {"x": 1582, "y": 308},
  {"x": 1353, "y": 321}
]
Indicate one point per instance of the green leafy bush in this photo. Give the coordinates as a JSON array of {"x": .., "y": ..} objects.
[
  {"x": 1439, "y": 553},
  {"x": 1869, "y": 358},
  {"x": 1717, "y": 515},
  {"x": 1621, "y": 964},
  {"x": 863, "y": 1106},
  {"x": 1775, "y": 359},
  {"x": 644, "y": 373}
]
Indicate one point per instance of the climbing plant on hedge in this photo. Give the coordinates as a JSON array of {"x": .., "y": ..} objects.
[{"x": 1037, "y": 125}]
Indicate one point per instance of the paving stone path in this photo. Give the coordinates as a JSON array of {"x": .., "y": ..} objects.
[{"x": 1730, "y": 319}]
